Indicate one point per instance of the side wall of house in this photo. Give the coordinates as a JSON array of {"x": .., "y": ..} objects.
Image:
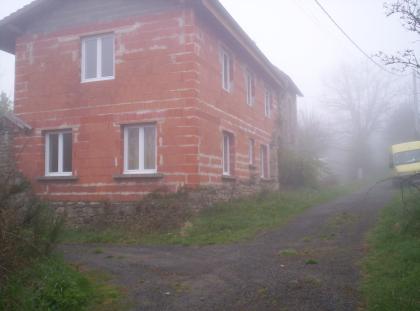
[
  {"x": 222, "y": 111},
  {"x": 156, "y": 78}
]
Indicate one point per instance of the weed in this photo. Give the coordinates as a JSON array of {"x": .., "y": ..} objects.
[
  {"x": 98, "y": 251},
  {"x": 311, "y": 262}
]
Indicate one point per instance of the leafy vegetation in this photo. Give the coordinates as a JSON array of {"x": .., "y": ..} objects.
[
  {"x": 224, "y": 223},
  {"x": 392, "y": 268},
  {"x": 31, "y": 277},
  {"x": 50, "y": 284}
]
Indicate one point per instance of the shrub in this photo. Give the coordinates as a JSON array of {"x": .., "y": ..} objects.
[
  {"x": 46, "y": 285},
  {"x": 28, "y": 230},
  {"x": 299, "y": 170}
]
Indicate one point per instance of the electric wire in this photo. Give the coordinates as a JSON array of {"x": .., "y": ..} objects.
[{"x": 354, "y": 42}]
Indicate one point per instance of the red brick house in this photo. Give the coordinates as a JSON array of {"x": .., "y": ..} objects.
[{"x": 126, "y": 96}]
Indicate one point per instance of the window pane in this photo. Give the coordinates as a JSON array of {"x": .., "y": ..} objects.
[
  {"x": 108, "y": 56},
  {"x": 90, "y": 57},
  {"x": 226, "y": 154},
  {"x": 149, "y": 148},
  {"x": 67, "y": 152},
  {"x": 226, "y": 71},
  {"x": 264, "y": 162},
  {"x": 53, "y": 153},
  {"x": 133, "y": 149}
]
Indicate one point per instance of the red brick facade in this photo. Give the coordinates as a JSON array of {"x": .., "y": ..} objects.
[{"x": 168, "y": 72}]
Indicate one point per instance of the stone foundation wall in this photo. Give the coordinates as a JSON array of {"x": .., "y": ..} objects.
[{"x": 82, "y": 214}]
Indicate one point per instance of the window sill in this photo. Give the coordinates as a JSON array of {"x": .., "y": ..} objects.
[
  {"x": 138, "y": 176},
  {"x": 97, "y": 80},
  {"x": 228, "y": 178},
  {"x": 57, "y": 178},
  {"x": 267, "y": 180}
]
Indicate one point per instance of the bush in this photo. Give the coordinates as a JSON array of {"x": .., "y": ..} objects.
[
  {"x": 299, "y": 170},
  {"x": 46, "y": 285},
  {"x": 28, "y": 230}
]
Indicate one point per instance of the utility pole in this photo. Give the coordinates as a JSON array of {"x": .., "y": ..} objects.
[{"x": 416, "y": 106}]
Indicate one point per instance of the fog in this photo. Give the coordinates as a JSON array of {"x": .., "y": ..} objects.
[{"x": 300, "y": 39}]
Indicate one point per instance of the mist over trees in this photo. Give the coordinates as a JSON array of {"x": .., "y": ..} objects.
[{"x": 360, "y": 99}]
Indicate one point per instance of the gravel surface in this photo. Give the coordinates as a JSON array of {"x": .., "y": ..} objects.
[{"x": 309, "y": 264}]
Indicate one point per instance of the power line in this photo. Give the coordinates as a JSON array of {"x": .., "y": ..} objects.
[{"x": 354, "y": 43}]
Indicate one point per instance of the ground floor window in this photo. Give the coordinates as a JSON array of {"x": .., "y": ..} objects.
[
  {"x": 227, "y": 154},
  {"x": 251, "y": 145},
  {"x": 264, "y": 166},
  {"x": 58, "y": 153},
  {"x": 140, "y": 154}
]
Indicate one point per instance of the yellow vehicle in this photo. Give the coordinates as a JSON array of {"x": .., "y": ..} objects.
[{"x": 405, "y": 159}]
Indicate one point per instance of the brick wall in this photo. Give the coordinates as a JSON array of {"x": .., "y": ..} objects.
[{"x": 168, "y": 72}]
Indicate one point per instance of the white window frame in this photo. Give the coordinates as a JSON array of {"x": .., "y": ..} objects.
[
  {"x": 60, "y": 154},
  {"x": 251, "y": 151},
  {"x": 225, "y": 152},
  {"x": 141, "y": 169},
  {"x": 265, "y": 162},
  {"x": 250, "y": 86},
  {"x": 226, "y": 70},
  {"x": 268, "y": 102},
  {"x": 98, "y": 58}
]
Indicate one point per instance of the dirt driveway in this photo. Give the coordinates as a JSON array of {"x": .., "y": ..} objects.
[{"x": 309, "y": 264}]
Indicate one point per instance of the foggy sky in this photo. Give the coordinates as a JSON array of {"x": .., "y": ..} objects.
[{"x": 295, "y": 35}]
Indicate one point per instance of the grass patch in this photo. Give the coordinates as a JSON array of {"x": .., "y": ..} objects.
[
  {"x": 289, "y": 252},
  {"x": 50, "y": 284},
  {"x": 224, "y": 223},
  {"x": 311, "y": 262},
  {"x": 392, "y": 267}
]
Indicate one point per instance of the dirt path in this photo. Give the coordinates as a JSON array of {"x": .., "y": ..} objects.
[{"x": 316, "y": 269}]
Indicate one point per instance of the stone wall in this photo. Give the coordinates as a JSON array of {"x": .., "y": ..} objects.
[{"x": 105, "y": 214}]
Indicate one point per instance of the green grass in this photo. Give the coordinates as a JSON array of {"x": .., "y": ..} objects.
[
  {"x": 224, "y": 223},
  {"x": 392, "y": 267},
  {"x": 51, "y": 285}
]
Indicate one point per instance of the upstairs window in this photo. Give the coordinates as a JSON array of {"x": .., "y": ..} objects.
[
  {"x": 58, "y": 153},
  {"x": 98, "y": 58},
  {"x": 140, "y": 149},
  {"x": 250, "y": 88},
  {"x": 227, "y": 71},
  {"x": 268, "y": 102},
  {"x": 264, "y": 162}
]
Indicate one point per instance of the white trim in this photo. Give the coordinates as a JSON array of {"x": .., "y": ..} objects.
[
  {"x": 99, "y": 43},
  {"x": 142, "y": 150},
  {"x": 226, "y": 151},
  {"x": 60, "y": 154},
  {"x": 250, "y": 85},
  {"x": 227, "y": 70},
  {"x": 264, "y": 159},
  {"x": 251, "y": 147},
  {"x": 268, "y": 99}
]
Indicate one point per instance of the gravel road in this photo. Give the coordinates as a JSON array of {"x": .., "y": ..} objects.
[{"x": 312, "y": 264}]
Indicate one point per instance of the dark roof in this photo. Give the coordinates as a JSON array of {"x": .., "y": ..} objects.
[
  {"x": 12, "y": 26},
  {"x": 15, "y": 121}
]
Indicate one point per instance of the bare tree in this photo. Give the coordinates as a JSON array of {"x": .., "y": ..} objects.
[
  {"x": 313, "y": 137},
  {"x": 409, "y": 14},
  {"x": 360, "y": 99},
  {"x": 5, "y": 103}
]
